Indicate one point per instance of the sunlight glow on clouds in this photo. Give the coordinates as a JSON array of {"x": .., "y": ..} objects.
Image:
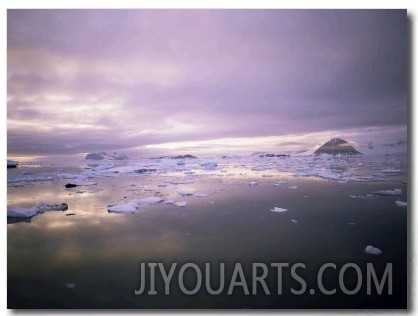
[{"x": 86, "y": 80}]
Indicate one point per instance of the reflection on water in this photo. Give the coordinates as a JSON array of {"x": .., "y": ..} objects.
[{"x": 99, "y": 253}]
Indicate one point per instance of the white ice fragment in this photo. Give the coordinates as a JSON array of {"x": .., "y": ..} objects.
[
  {"x": 22, "y": 211},
  {"x": 293, "y": 187},
  {"x": 200, "y": 195},
  {"x": 392, "y": 170},
  {"x": 252, "y": 183},
  {"x": 365, "y": 197},
  {"x": 388, "y": 192},
  {"x": 209, "y": 165},
  {"x": 401, "y": 203},
  {"x": 34, "y": 210},
  {"x": 278, "y": 210},
  {"x": 280, "y": 182},
  {"x": 133, "y": 206},
  {"x": 182, "y": 204},
  {"x": 149, "y": 200},
  {"x": 372, "y": 250},
  {"x": 180, "y": 181},
  {"x": 294, "y": 221},
  {"x": 70, "y": 285},
  {"x": 169, "y": 202},
  {"x": 185, "y": 193},
  {"x": 130, "y": 207}
]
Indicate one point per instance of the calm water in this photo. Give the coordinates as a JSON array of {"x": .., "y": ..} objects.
[{"x": 92, "y": 259}]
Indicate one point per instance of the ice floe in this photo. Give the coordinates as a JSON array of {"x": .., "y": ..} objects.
[
  {"x": 252, "y": 183},
  {"x": 281, "y": 182},
  {"x": 185, "y": 193},
  {"x": 133, "y": 206},
  {"x": 293, "y": 187},
  {"x": 372, "y": 250},
  {"x": 393, "y": 192},
  {"x": 294, "y": 221},
  {"x": 181, "y": 204},
  {"x": 365, "y": 197},
  {"x": 70, "y": 285},
  {"x": 209, "y": 165},
  {"x": 392, "y": 171},
  {"x": 278, "y": 210},
  {"x": 401, "y": 203},
  {"x": 34, "y": 210},
  {"x": 200, "y": 195}
]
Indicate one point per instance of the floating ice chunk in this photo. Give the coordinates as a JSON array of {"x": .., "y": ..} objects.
[
  {"x": 200, "y": 195},
  {"x": 34, "y": 210},
  {"x": 150, "y": 200},
  {"x": 180, "y": 181},
  {"x": 70, "y": 285},
  {"x": 401, "y": 203},
  {"x": 388, "y": 192},
  {"x": 252, "y": 183},
  {"x": 133, "y": 206},
  {"x": 182, "y": 204},
  {"x": 209, "y": 165},
  {"x": 280, "y": 182},
  {"x": 366, "y": 197},
  {"x": 169, "y": 202},
  {"x": 294, "y": 221},
  {"x": 185, "y": 193},
  {"x": 390, "y": 170},
  {"x": 372, "y": 250},
  {"x": 278, "y": 210},
  {"x": 82, "y": 182},
  {"x": 293, "y": 187},
  {"x": 29, "y": 178}
]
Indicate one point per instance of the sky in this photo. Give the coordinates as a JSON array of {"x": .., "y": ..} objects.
[{"x": 111, "y": 80}]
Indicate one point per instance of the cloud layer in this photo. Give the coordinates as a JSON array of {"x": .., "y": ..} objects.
[{"x": 86, "y": 80}]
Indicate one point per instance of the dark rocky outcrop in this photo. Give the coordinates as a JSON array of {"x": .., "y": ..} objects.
[
  {"x": 337, "y": 146},
  {"x": 70, "y": 185},
  {"x": 12, "y": 164}
]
